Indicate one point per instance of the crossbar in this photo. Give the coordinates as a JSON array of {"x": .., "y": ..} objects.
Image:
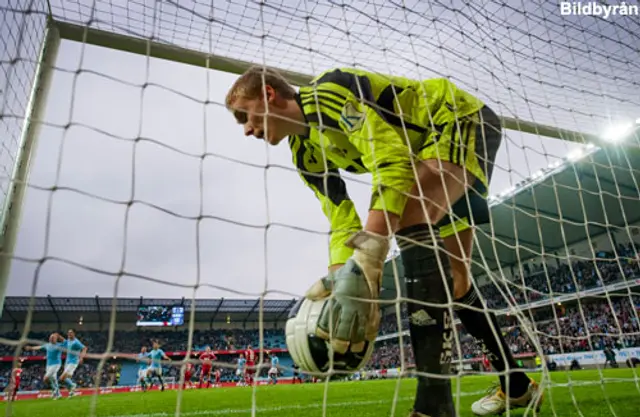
[{"x": 146, "y": 47}]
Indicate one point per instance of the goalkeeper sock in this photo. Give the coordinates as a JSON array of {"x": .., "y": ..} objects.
[
  {"x": 482, "y": 326},
  {"x": 430, "y": 327}
]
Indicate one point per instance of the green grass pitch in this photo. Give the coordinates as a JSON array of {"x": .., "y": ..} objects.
[{"x": 618, "y": 395}]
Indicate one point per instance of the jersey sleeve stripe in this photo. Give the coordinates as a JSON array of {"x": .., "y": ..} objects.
[
  {"x": 458, "y": 126},
  {"x": 331, "y": 92},
  {"x": 386, "y": 109},
  {"x": 323, "y": 119},
  {"x": 335, "y": 189},
  {"x": 322, "y": 102},
  {"x": 467, "y": 134},
  {"x": 327, "y": 90},
  {"x": 358, "y": 85},
  {"x": 452, "y": 142}
]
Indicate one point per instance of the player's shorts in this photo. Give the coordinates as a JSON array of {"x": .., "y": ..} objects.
[
  {"x": 471, "y": 142},
  {"x": 188, "y": 376},
  {"x": 142, "y": 373},
  {"x": 206, "y": 370},
  {"x": 70, "y": 369},
  {"x": 51, "y": 371},
  {"x": 250, "y": 368},
  {"x": 240, "y": 372},
  {"x": 154, "y": 372},
  {"x": 273, "y": 371}
]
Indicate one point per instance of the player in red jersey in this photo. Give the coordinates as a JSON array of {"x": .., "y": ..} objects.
[
  {"x": 486, "y": 363},
  {"x": 250, "y": 356},
  {"x": 207, "y": 357},
  {"x": 216, "y": 374},
  {"x": 14, "y": 384},
  {"x": 188, "y": 374}
]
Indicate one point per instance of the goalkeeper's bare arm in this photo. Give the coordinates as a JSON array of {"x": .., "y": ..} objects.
[{"x": 430, "y": 148}]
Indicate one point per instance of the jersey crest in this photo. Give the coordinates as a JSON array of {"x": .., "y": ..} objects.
[{"x": 351, "y": 118}]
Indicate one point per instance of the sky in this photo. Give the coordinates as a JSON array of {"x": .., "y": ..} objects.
[{"x": 157, "y": 192}]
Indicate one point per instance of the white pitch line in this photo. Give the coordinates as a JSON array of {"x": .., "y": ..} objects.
[
  {"x": 278, "y": 408},
  {"x": 262, "y": 409},
  {"x": 231, "y": 411}
]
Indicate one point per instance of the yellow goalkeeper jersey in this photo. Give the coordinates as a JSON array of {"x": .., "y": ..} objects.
[{"x": 366, "y": 122}]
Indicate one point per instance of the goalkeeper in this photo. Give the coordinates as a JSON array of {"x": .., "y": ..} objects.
[{"x": 399, "y": 130}]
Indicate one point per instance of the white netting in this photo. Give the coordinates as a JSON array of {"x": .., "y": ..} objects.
[{"x": 141, "y": 185}]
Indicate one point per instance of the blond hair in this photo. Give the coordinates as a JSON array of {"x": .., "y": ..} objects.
[{"x": 250, "y": 85}]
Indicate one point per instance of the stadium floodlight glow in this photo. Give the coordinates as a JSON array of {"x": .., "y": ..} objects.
[
  {"x": 507, "y": 191},
  {"x": 575, "y": 154},
  {"x": 618, "y": 132}
]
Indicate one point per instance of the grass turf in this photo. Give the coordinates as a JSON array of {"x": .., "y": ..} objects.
[{"x": 588, "y": 395}]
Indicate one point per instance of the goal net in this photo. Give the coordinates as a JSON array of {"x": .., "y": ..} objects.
[{"x": 124, "y": 176}]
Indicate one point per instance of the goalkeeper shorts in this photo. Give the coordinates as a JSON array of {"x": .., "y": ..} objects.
[{"x": 472, "y": 143}]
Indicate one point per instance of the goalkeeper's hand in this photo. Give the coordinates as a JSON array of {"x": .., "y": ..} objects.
[{"x": 354, "y": 317}]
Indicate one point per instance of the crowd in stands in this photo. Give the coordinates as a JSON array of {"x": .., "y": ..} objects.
[
  {"x": 608, "y": 269},
  {"x": 590, "y": 325},
  {"x": 609, "y": 321},
  {"x": 542, "y": 280},
  {"x": 612, "y": 322}
]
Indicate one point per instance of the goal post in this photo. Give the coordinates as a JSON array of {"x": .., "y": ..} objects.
[{"x": 32, "y": 121}]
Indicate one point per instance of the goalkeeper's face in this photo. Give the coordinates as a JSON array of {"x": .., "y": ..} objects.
[{"x": 263, "y": 117}]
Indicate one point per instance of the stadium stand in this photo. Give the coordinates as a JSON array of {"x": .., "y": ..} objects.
[
  {"x": 603, "y": 318},
  {"x": 577, "y": 296}
]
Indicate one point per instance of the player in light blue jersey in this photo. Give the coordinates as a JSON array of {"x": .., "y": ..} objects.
[
  {"x": 54, "y": 360},
  {"x": 75, "y": 351},
  {"x": 241, "y": 370},
  {"x": 273, "y": 371},
  {"x": 143, "y": 368},
  {"x": 155, "y": 367}
]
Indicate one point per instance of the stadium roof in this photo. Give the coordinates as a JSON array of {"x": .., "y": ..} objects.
[
  {"x": 591, "y": 196},
  {"x": 97, "y": 309}
]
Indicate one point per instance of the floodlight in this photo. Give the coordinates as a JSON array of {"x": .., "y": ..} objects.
[
  {"x": 618, "y": 132},
  {"x": 575, "y": 154}
]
